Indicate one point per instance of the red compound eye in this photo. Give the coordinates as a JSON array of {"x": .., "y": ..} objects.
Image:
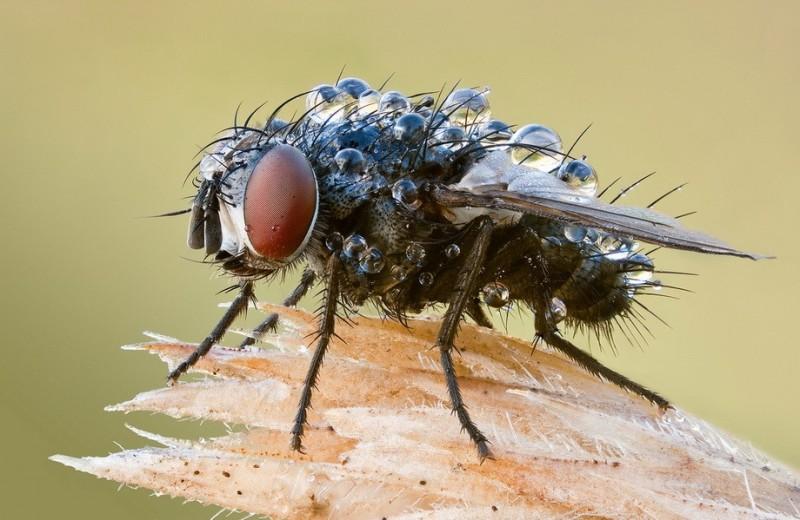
[{"x": 280, "y": 203}]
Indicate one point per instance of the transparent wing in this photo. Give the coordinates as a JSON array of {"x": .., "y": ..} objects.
[{"x": 543, "y": 195}]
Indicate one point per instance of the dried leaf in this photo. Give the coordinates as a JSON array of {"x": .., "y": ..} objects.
[{"x": 383, "y": 443}]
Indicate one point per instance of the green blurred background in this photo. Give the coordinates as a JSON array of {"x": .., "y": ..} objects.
[{"x": 104, "y": 104}]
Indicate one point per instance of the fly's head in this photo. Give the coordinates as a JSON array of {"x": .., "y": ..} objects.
[{"x": 257, "y": 205}]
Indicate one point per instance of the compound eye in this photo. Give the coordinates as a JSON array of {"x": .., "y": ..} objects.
[{"x": 280, "y": 203}]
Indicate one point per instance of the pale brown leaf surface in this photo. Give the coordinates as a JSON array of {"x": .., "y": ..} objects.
[{"x": 382, "y": 441}]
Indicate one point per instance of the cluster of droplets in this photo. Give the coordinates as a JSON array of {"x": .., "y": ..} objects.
[
  {"x": 355, "y": 248},
  {"x": 463, "y": 118},
  {"x": 637, "y": 269}
]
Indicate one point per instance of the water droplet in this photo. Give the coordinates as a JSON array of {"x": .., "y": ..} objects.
[
  {"x": 334, "y": 241},
  {"x": 405, "y": 192},
  {"x": 467, "y": 106},
  {"x": 574, "y": 233},
  {"x": 541, "y": 147},
  {"x": 326, "y": 103},
  {"x": 580, "y": 175},
  {"x": 495, "y": 294},
  {"x": 495, "y": 131},
  {"x": 350, "y": 161},
  {"x": 453, "y": 137},
  {"x": 353, "y": 86},
  {"x": 452, "y": 251},
  {"x": 609, "y": 243},
  {"x": 400, "y": 272},
  {"x": 409, "y": 127},
  {"x": 275, "y": 227},
  {"x": 592, "y": 236},
  {"x": 395, "y": 102},
  {"x": 372, "y": 261},
  {"x": 638, "y": 268},
  {"x": 368, "y": 102},
  {"x": 425, "y": 279},
  {"x": 558, "y": 310},
  {"x": 415, "y": 253},
  {"x": 354, "y": 246}
]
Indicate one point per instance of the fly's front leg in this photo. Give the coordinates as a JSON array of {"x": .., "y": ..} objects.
[
  {"x": 237, "y": 306},
  {"x": 326, "y": 331},
  {"x": 462, "y": 296},
  {"x": 271, "y": 321}
]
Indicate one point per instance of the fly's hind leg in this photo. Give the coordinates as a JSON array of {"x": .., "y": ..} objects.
[
  {"x": 460, "y": 300},
  {"x": 237, "y": 306},
  {"x": 546, "y": 329},
  {"x": 270, "y": 323}
]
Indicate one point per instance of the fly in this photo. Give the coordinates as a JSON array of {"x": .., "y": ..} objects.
[{"x": 408, "y": 202}]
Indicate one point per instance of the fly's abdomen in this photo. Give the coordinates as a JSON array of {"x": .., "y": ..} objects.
[{"x": 594, "y": 278}]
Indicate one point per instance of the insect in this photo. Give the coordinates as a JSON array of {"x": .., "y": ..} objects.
[{"x": 412, "y": 202}]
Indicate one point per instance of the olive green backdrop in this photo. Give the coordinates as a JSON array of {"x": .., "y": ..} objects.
[{"x": 103, "y": 104}]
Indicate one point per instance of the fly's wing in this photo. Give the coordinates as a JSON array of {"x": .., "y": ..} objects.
[{"x": 543, "y": 195}]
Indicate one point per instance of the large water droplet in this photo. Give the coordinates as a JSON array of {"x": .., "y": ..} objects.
[
  {"x": 495, "y": 294},
  {"x": 350, "y": 161},
  {"x": 425, "y": 279},
  {"x": 409, "y": 127},
  {"x": 558, "y": 309},
  {"x": 540, "y": 147},
  {"x": 395, "y": 102},
  {"x": 580, "y": 175},
  {"x": 354, "y": 246},
  {"x": 405, "y": 192},
  {"x": 466, "y": 107},
  {"x": 326, "y": 103},
  {"x": 452, "y": 251},
  {"x": 353, "y": 86},
  {"x": 372, "y": 261},
  {"x": 415, "y": 253}
]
